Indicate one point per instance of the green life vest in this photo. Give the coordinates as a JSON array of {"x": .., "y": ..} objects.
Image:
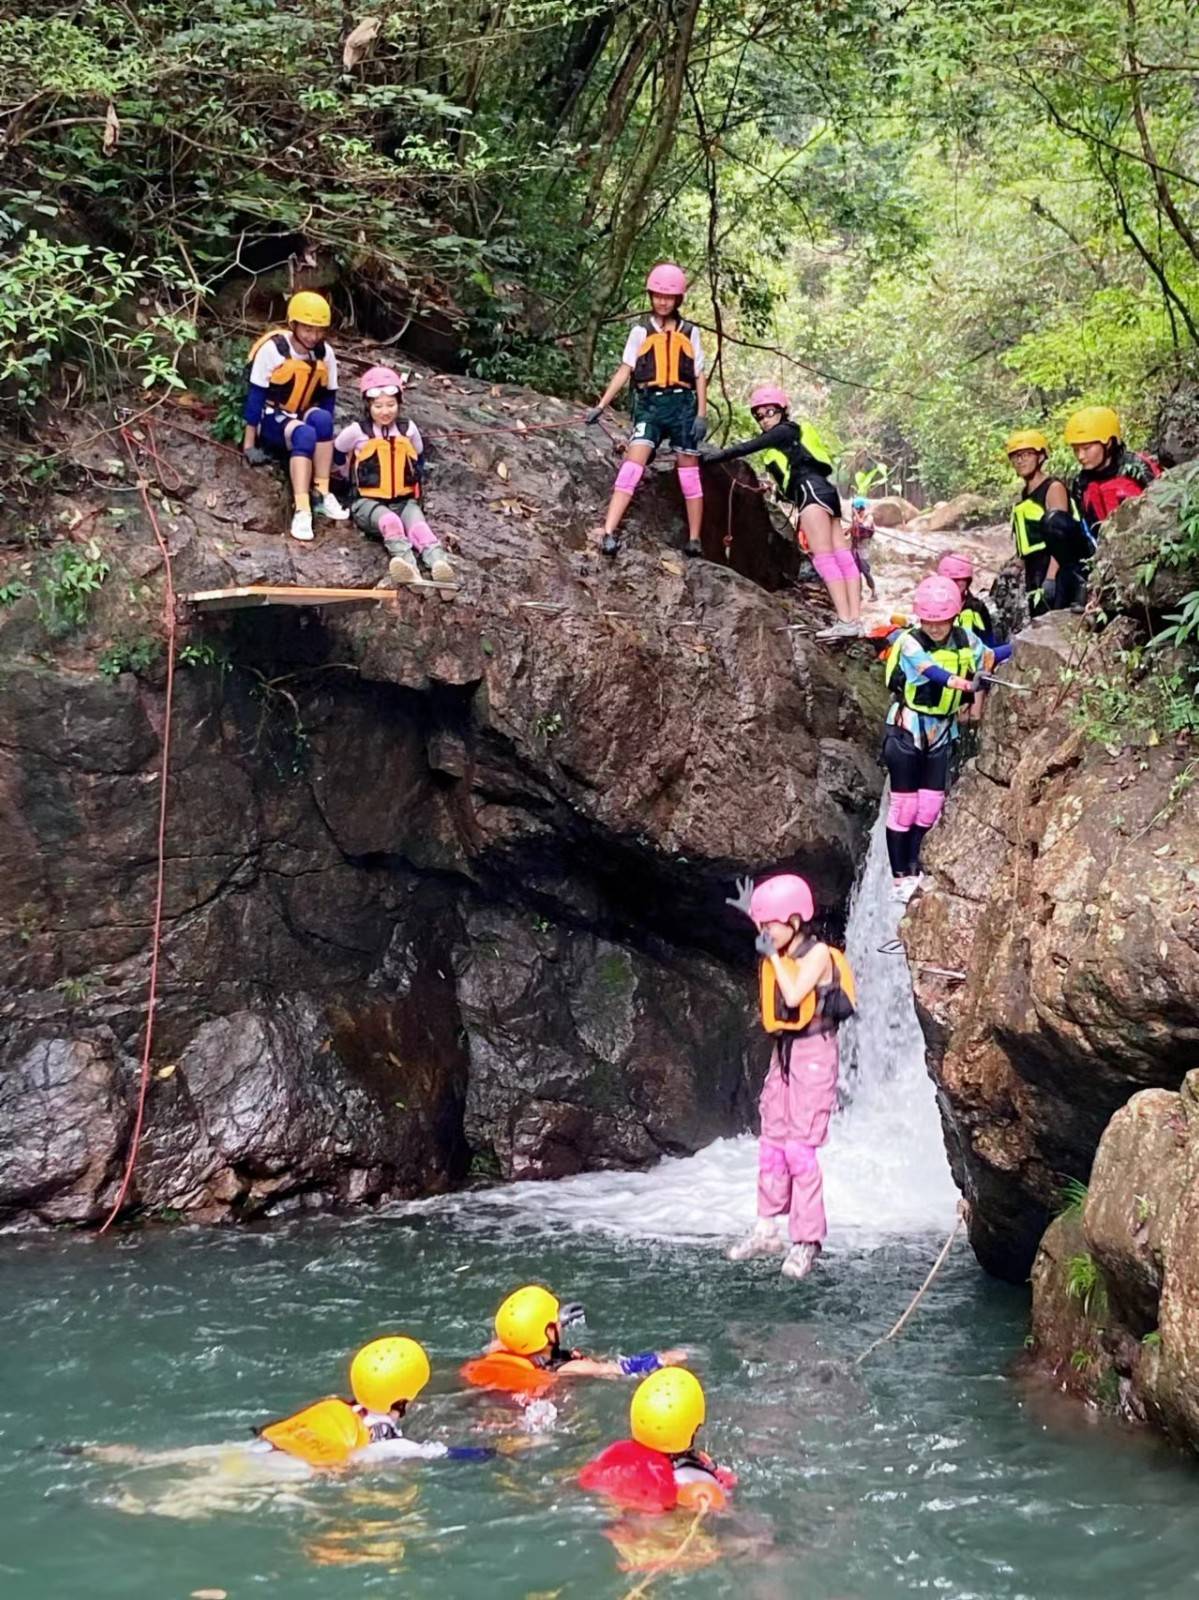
[
  {"x": 969, "y": 618},
  {"x": 781, "y": 465},
  {"x": 954, "y": 655},
  {"x": 1028, "y": 515}
]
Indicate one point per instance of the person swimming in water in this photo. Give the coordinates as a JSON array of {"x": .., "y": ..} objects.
[
  {"x": 527, "y": 1355},
  {"x": 661, "y": 1467}
]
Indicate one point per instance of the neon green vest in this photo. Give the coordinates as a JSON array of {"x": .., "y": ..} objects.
[
  {"x": 779, "y": 464},
  {"x": 954, "y": 655}
]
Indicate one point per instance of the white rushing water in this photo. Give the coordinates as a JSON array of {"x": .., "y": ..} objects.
[{"x": 884, "y": 1165}]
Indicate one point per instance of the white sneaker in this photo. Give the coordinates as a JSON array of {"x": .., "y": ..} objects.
[
  {"x": 330, "y": 506},
  {"x": 763, "y": 1241},
  {"x": 301, "y": 525},
  {"x": 439, "y": 567},
  {"x": 905, "y": 888},
  {"x": 402, "y": 570},
  {"x": 800, "y": 1260}
]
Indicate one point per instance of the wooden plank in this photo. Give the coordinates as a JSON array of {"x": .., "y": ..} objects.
[{"x": 299, "y": 595}]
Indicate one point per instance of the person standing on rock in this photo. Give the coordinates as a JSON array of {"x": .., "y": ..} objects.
[
  {"x": 1111, "y": 472},
  {"x": 290, "y": 402},
  {"x": 806, "y": 992},
  {"x": 930, "y": 670},
  {"x": 664, "y": 358},
  {"x": 1050, "y": 538},
  {"x": 861, "y": 531},
  {"x": 386, "y": 463},
  {"x": 797, "y": 459}
]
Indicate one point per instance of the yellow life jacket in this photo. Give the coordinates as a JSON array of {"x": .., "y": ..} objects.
[
  {"x": 325, "y": 1434},
  {"x": 296, "y": 379},
  {"x": 1029, "y": 513},
  {"x": 969, "y": 618},
  {"x": 667, "y": 358},
  {"x": 385, "y": 469},
  {"x": 779, "y": 1017},
  {"x": 954, "y": 654},
  {"x": 783, "y": 466}
]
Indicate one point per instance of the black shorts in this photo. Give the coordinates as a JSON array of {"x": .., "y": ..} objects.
[
  {"x": 814, "y": 491},
  {"x": 912, "y": 768}
]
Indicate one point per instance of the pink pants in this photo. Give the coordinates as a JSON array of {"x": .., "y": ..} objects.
[{"x": 795, "y": 1114}]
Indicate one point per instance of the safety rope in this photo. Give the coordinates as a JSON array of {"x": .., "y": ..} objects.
[
  {"x": 897, "y": 1329},
  {"x": 659, "y": 1567},
  {"x": 164, "y": 774}
]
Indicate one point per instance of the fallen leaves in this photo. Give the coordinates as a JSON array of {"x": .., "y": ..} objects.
[
  {"x": 359, "y": 41},
  {"x": 112, "y": 129}
]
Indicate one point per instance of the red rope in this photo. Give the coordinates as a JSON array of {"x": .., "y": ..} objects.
[{"x": 156, "y": 942}]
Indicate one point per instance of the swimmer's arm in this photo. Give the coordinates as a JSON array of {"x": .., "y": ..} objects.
[{"x": 796, "y": 980}]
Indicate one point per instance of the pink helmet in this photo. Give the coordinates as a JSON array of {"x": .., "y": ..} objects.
[
  {"x": 780, "y": 898},
  {"x": 953, "y": 565},
  {"x": 769, "y": 394},
  {"x": 380, "y": 378},
  {"x": 937, "y": 599},
  {"x": 666, "y": 278}
]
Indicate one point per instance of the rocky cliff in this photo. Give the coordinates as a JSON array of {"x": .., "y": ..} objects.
[
  {"x": 445, "y": 881},
  {"x": 1064, "y": 895}
]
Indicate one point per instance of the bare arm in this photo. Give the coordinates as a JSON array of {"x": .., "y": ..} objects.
[
  {"x": 619, "y": 378},
  {"x": 701, "y": 394},
  {"x": 797, "y": 981}
]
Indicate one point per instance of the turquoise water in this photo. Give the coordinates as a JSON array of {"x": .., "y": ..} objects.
[{"x": 932, "y": 1471}]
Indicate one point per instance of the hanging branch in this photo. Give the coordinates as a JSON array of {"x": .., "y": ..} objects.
[{"x": 1166, "y": 200}]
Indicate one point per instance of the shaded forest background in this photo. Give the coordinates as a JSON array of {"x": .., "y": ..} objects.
[{"x": 934, "y": 221}]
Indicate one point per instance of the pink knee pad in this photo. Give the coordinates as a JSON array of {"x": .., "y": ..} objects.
[
  {"x": 689, "y": 483},
  {"x": 901, "y": 813},
  {"x": 772, "y": 1157},
  {"x": 629, "y": 476},
  {"x": 419, "y": 532},
  {"x": 390, "y": 526},
  {"x": 846, "y": 565},
  {"x": 826, "y": 564},
  {"x": 928, "y": 807},
  {"x": 801, "y": 1157}
]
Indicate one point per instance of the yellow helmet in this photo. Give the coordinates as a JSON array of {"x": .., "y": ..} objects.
[
  {"x": 1026, "y": 439},
  {"x": 522, "y": 1319},
  {"x": 387, "y": 1371},
  {"x": 667, "y": 1409},
  {"x": 1092, "y": 425},
  {"x": 311, "y": 308}
]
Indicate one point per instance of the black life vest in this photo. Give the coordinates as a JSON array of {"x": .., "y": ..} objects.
[{"x": 667, "y": 358}]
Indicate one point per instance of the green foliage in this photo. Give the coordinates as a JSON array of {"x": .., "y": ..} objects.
[
  {"x": 1084, "y": 1283},
  {"x": 1082, "y": 1360},
  {"x": 68, "y": 579},
  {"x": 1153, "y": 1340},
  {"x": 548, "y": 725},
  {"x": 1072, "y": 1198},
  {"x": 129, "y": 655},
  {"x": 12, "y": 591},
  {"x": 202, "y": 653}
]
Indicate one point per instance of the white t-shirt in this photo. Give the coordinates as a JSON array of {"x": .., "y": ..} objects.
[
  {"x": 268, "y": 358},
  {"x": 638, "y": 336}
]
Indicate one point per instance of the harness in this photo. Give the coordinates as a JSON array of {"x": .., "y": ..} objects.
[
  {"x": 296, "y": 379},
  {"x": 667, "y": 358},
  {"x": 385, "y": 469},
  {"x": 954, "y": 655}
]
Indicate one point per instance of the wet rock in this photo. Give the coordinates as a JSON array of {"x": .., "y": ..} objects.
[
  {"x": 963, "y": 511},
  {"x": 892, "y": 511},
  {"x": 1065, "y": 887},
  {"x": 1131, "y": 575}
]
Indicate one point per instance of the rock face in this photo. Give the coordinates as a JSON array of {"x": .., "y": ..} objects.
[
  {"x": 892, "y": 511},
  {"x": 1065, "y": 889},
  {"x": 960, "y": 512},
  {"x": 445, "y": 881},
  {"x": 1131, "y": 1341}
]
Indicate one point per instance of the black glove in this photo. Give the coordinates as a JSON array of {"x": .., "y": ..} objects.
[
  {"x": 699, "y": 430},
  {"x": 593, "y": 415},
  {"x": 711, "y": 454},
  {"x": 256, "y": 456},
  {"x": 765, "y": 945},
  {"x": 1049, "y": 592}
]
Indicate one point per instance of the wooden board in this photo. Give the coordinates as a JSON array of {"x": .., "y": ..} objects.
[{"x": 298, "y": 595}]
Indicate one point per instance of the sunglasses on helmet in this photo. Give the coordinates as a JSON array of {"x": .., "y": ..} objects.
[{"x": 383, "y": 389}]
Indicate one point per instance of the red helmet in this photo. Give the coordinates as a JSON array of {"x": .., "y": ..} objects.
[
  {"x": 937, "y": 599},
  {"x": 666, "y": 278},
  {"x": 380, "y": 380},
  {"x": 953, "y": 565},
  {"x": 769, "y": 394},
  {"x": 782, "y": 897}
]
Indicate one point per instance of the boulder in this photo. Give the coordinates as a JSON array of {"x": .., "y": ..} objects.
[
  {"x": 963, "y": 511},
  {"x": 892, "y": 511}
]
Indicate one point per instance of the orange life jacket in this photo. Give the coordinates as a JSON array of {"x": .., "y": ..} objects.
[
  {"x": 501, "y": 1369},
  {"x": 385, "y": 469},
  {"x": 778, "y": 1017},
  {"x": 296, "y": 379},
  {"x": 325, "y": 1434},
  {"x": 667, "y": 358}
]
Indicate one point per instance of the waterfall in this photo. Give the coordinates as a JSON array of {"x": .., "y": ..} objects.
[{"x": 885, "y": 1166}]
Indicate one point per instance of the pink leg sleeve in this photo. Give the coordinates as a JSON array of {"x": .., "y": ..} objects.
[
  {"x": 847, "y": 567},
  {"x": 629, "y": 476},
  {"x": 825, "y": 562},
  {"x": 690, "y": 484},
  {"x": 928, "y": 807},
  {"x": 390, "y": 526},
  {"x": 901, "y": 813},
  {"x": 417, "y": 529}
]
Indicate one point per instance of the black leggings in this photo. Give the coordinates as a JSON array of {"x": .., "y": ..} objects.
[
  {"x": 919, "y": 779},
  {"x": 1070, "y": 551}
]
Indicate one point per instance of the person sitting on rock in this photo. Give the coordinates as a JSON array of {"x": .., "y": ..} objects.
[
  {"x": 289, "y": 408},
  {"x": 385, "y": 458},
  {"x": 861, "y": 531},
  {"x": 1050, "y": 537},
  {"x": 527, "y": 1357},
  {"x": 1111, "y": 472},
  {"x": 806, "y": 991},
  {"x": 661, "y": 1467},
  {"x": 664, "y": 357},
  {"x": 800, "y": 464}
]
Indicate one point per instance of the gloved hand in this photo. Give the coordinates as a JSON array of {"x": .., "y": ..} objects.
[
  {"x": 256, "y": 456},
  {"x": 639, "y": 1366},
  {"x": 469, "y": 1452},
  {"x": 745, "y": 892},
  {"x": 420, "y": 471},
  {"x": 1049, "y": 592},
  {"x": 765, "y": 945},
  {"x": 699, "y": 430},
  {"x": 593, "y": 415},
  {"x": 711, "y": 453}
]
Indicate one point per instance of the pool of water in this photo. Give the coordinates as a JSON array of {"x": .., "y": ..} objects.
[{"x": 929, "y": 1470}]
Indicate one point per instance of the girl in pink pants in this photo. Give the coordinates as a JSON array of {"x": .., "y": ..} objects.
[{"x": 807, "y": 991}]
